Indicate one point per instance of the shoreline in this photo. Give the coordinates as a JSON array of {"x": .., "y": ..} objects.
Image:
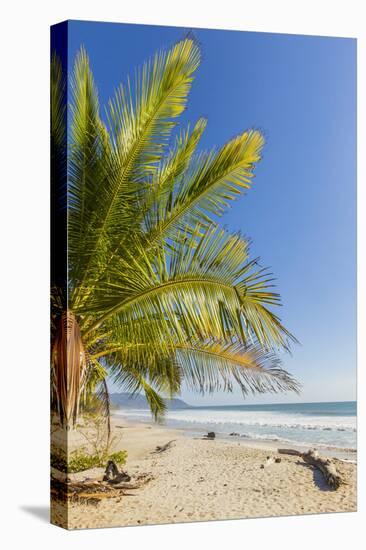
[{"x": 331, "y": 451}]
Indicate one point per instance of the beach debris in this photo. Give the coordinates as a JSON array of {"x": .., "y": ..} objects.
[
  {"x": 270, "y": 460},
  {"x": 235, "y": 434},
  {"x": 210, "y": 435},
  {"x": 93, "y": 491},
  {"x": 113, "y": 475},
  {"x": 324, "y": 464},
  {"x": 162, "y": 448},
  {"x": 293, "y": 452}
]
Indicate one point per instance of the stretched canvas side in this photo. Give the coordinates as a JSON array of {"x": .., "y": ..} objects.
[{"x": 60, "y": 384}]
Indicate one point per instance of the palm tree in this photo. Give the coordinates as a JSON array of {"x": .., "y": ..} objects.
[{"x": 157, "y": 292}]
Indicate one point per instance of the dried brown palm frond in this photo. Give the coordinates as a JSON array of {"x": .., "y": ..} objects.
[{"x": 69, "y": 365}]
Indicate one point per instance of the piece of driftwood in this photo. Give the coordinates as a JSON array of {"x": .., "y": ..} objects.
[
  {"x": 113, "y": 475},
  {"x": 326, "y": 466},
  {"x": 289, "y": 452},
  {"x": 162, "y": 448},
  {"x": 91, "y": 491},
  {"x": 84, "y": 492}
]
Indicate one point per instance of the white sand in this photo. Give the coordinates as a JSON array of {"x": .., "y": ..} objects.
[{"x": 199, "y": 480}]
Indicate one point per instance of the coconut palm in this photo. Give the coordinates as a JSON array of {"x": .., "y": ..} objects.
[{"x": 158, "y": 294}]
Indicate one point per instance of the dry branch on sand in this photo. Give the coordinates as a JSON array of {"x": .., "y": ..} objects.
[{"x": 162, "y": 448}]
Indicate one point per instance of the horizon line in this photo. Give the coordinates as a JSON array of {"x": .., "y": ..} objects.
[{"x": 243, "y": 404}]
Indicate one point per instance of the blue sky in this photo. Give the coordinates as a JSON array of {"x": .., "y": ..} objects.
[{"x": 301, "y": 211}]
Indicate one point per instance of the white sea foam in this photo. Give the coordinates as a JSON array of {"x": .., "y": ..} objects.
[
  {"x": 271, "y": 425},
  {"x": 255, "y": 418}
]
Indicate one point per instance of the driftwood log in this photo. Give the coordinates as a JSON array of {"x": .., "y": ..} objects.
[
  {"x": 162, "y": 448},
  {"x": 324, "y": 464},
  {"x": 289, "y": 452}
]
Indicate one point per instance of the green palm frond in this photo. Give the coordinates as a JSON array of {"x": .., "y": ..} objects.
[
  {"x": 140, "y": 126},
  {"x": 58, "y": 100},
  {"x": 154, "y": 361},
  {"x": 169, "y": 170},
  {"x": 89, "y": 159},
  {"x": 133, "y": 380},
  {"x": 205, "y": 286},
  {"x": 85, "y": 149},
  {"x": 211, "y": 182},
  {"x": 141, "y": 120},
  {"x": 58, "y": 107},
  {"x": 214, "y": 366},
  {"x": 179, "y": 158},
  {"x": 203, "y": 366}
]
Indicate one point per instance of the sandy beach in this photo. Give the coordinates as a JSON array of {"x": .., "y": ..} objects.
[{"x": 200, "y": 480}]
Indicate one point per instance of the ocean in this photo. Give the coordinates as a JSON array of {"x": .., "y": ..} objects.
[{"x": 330, "y": 424}]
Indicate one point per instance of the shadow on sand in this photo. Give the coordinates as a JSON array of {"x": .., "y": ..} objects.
[{"x": 318, "y": 477}]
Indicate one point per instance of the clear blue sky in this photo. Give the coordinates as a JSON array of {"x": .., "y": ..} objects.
[{"x": 301, "y": 212}]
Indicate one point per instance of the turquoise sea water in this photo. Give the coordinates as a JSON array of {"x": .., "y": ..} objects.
[{"x": 321, "y": 424}]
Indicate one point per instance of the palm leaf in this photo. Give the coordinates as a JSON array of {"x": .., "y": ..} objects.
[
  {"x": 140, "y": 127},
  {"x": 132, "y": 380},
  {"x": 214, "y": 366},
  {"x": 58, "y": 116},
  {"x": 141, "y": 121},
  {"x": 203, "y": 366},
  {"x": 206, "y": 287},
  {"x": 207, "y": 187}
]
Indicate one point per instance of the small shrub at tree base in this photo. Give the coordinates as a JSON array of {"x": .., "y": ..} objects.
[{"x": 119, "y": 457}]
